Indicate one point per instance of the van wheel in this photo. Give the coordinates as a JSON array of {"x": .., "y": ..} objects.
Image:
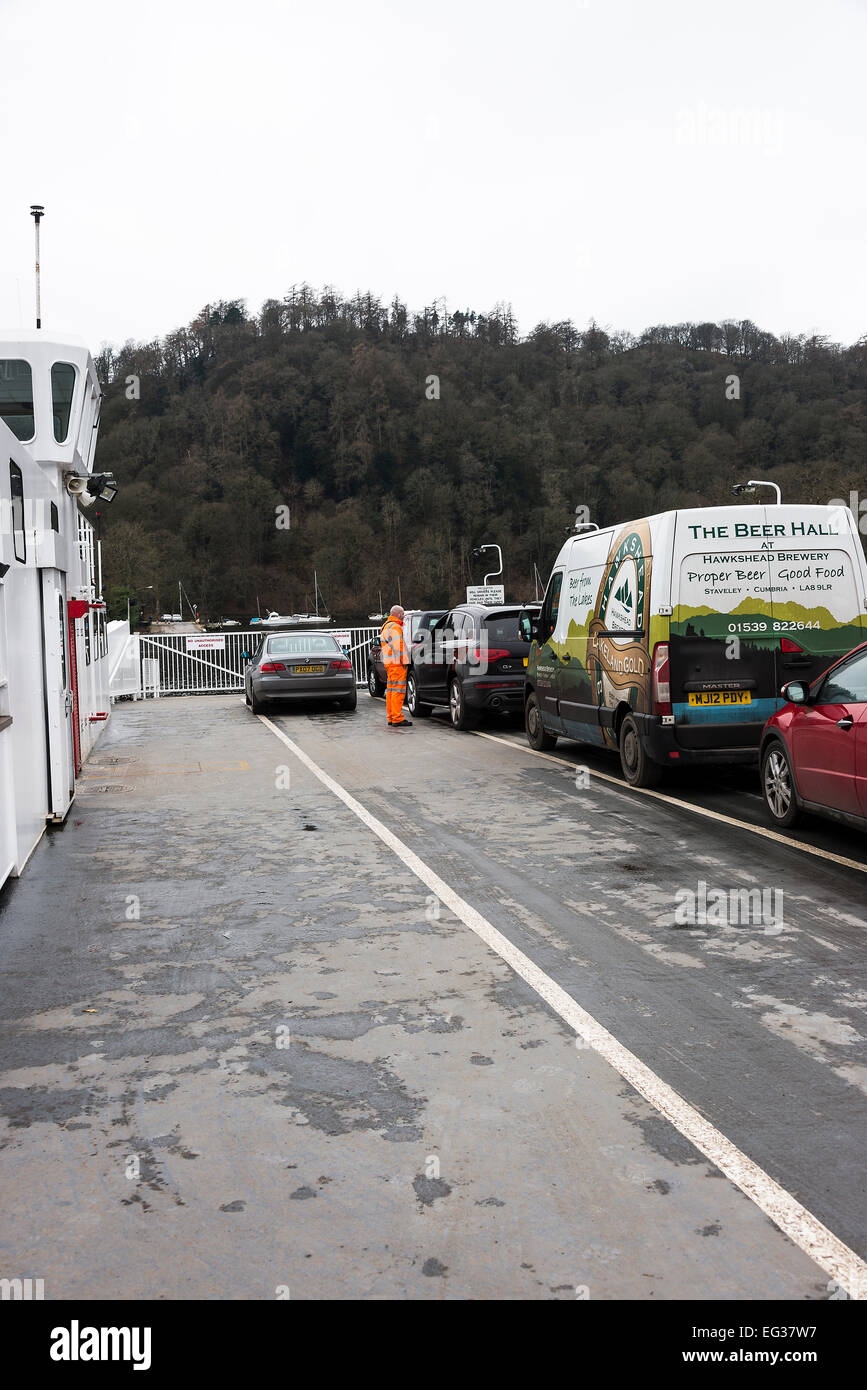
[
  {"x": 536, "y": 735},
  {"x": 374, "y": 684},
  {"x": 416, "y": 710},
  {"x": 637, "y": 768},
  {"x": 778, "y": 786},
  {"x": 461, "y": 717}
]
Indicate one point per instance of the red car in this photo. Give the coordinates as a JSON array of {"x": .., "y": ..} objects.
[{"x": 814, "y": 749}]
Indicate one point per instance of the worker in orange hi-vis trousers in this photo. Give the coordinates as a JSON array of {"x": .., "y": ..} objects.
[{"x": 395, "y": 659}]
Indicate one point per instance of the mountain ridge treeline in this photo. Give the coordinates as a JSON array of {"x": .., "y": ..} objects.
[{"x": 400, "y": 441}]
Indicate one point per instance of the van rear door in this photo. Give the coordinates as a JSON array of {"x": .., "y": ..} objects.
[
  {"x": 816, "y": 607},
  {"x": 761, "y": 595},
  {"x": 722, "y": 645}
]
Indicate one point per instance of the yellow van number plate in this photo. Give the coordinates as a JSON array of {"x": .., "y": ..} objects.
[
  {"x": 720, "y": 697},
  {"x": 307, "y": 670}
]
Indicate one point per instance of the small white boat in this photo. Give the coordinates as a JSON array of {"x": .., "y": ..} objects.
[
  {"x": 283, "y": 620},
  {"x": 316, "y": 619}
]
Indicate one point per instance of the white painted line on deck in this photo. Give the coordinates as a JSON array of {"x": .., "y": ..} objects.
[
  {"x": 762, "y": 830},
  {"x": 807, "y": 1232}
]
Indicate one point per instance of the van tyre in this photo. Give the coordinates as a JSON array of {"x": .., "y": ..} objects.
[
  {"x": 374, "y": 684},
  {"x": 461, "y": 717},
  {"x": 637, "y": 768},
  {"x": 778, "y": 785},
  {"x": 536, "y": 735},
  {"x": 411, "y": 699}
]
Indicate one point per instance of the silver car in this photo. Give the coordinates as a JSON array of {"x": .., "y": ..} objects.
[{"x": 299, "y": 666}]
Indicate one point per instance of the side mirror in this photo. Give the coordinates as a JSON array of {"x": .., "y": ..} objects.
[
  {"x": 245, "y": 656},
  {"x": 796, "y": 692},
  {"x": 528, "y": 627}
]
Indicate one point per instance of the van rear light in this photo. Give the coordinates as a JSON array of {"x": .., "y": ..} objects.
[
  {"x": 272, "y": 666},
  {"x": 340, "y": 666},
  {"x": 787, "y": 645},
  {"x": 661, "y": 679}
]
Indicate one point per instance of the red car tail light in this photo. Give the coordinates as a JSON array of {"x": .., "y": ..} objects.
[
  {"x": 340, "y": 666},
  {"x": 787, "y": 645},
  {"x": 661, "y": 679},
  {"x": 476, "y": 655},
  {"x": 272, "y": 666}
]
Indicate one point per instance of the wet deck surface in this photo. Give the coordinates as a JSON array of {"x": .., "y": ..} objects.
[{"x": 244, "y": 1050}]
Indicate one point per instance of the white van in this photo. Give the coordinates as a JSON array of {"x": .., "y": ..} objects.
[{"x": 669, "y": 638}]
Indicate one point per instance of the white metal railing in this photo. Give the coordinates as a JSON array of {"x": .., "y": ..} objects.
[
  {"x": 178, "y": 663},
  {"x": 86, "y": 552}
]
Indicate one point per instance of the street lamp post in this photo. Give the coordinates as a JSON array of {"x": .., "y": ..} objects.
[{"x": 479, "y": 550}]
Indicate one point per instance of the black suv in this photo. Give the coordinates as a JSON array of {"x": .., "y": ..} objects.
[
  {"x": 421, "y": 620},
  {"x": 473, "y": 659}
]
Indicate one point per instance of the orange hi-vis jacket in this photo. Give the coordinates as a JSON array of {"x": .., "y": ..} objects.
[{"x": 394, "y": 651}]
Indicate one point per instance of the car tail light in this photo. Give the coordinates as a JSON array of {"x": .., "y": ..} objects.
[
  {"x": 661, "y": 679},
  {"x": 272, "y": 666},
  {"x": 787, "y": 645},
  {"x": 340, "y": 666},
  {"x": 476, "y": 655}
]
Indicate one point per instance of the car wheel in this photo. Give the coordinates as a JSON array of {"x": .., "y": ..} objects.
[
  {"x": 778, "y": 785},
  {"x": 257, "y": 706},
  {"x": 349, "y": 701},
  {"x": 460, "y": 716},
  {"x": 536, "y": 735},
  {"x": 411, "y": 700},
  {"x": 374, "y": 684},
  {"x": 637, "y": 768}
]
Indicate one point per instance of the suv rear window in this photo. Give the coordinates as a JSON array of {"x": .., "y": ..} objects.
[{"x": 503, "y": 627}]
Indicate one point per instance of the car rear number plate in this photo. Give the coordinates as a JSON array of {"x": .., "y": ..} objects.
[
  {"x": 720, "y": 697},
  {"x": 307, "y": 670}
]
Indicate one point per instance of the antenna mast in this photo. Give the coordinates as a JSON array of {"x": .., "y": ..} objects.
[{"x": 36, "y": 211}]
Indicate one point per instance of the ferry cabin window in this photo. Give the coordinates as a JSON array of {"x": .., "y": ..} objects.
[
  {"x": 16, "y": 397},
  {"x": 16, "y": 487},
  {"x": 55, "y": 517},
  {"x": 62, "y": 388},
  {"x": 87, "y": 639}
]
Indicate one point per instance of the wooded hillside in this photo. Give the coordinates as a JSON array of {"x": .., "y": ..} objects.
[{"x": 324, "y": 405}]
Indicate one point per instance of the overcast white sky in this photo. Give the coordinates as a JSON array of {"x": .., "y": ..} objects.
[{"x": 634, "y": 161}]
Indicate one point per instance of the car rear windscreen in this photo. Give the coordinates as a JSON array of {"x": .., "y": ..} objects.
[
  {"x": 304, "y": 644},
  {"x": 503, "y": 627}
]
